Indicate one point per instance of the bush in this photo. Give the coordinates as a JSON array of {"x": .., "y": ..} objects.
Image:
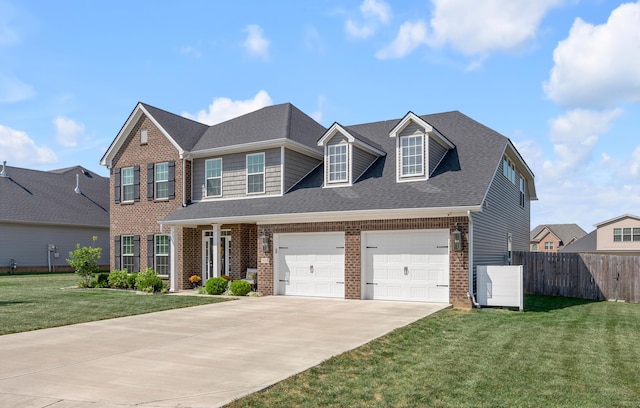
[
  {"x": 103, "y": 280},
  {"x": 215, "y": 286},
  {"x": 148, "y": 281},
  {"x": 240, "y": 287},
  {"x": 118, "y": 279},
  {"x": 131, "y": 280},
  {"x": 85, "y": 261}
]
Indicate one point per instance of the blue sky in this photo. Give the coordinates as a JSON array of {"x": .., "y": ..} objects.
[{"x": 561, "y": 79}]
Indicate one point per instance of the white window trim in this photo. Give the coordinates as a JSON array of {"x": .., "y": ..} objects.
[
  {"x": 132, "y": 254},
  {"x": 264, "y": 172},
  {"x": 400, "y": 178},
  {"x": 156, "y": 181},
  {"x": 347, "y": 179},
  {"x": 206, "y": 192},
  {"x": 155, "y": 253},
  {"x": 122, "y": 185}
]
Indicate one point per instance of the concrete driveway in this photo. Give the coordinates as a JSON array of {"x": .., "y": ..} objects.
[{"x": 204, "y": 356}]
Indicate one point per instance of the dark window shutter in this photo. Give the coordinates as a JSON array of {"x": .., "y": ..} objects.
[
  {"x": 150, "y": 179},
  {"x": 136, "y": 253},
  {"x": 172, "y": 180},
  {"x": 116, "y": 250},
  {"x": 116, "y": 185},
  {"x": 136, "y": 183},
  {"x": 150, "y": 251}
]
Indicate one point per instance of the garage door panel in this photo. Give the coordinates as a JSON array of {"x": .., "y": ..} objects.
[
  {"x": 310, "y": 264},
  {"x": 406, "y": 265}
]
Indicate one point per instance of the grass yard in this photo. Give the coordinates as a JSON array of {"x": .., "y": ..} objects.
[
  {"x": 37, "y": 301},
  {"x": 560, "y": 352}
]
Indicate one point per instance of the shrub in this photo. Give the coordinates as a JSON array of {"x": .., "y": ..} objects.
[
  {"x": 118, "y": 279},
  {"x": 102, "y": 281},
  {"x": 148, "y": 281},
  {"x": 240, "y": 287},
  {"x": 216, "y": 286},
  {"x": 85, "y": 261},
  {"x": 131, "y": 280}
]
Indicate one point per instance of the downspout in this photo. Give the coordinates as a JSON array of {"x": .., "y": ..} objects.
[
  {"x": 470, "y": 293},
  {"x": 184, "y": 181}
]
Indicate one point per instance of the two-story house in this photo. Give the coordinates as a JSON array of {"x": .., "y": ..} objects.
[
  {"x": 617, "y": 236},
  {"x": 554, "y": 237},
  {"x": 402, "y": 209}
]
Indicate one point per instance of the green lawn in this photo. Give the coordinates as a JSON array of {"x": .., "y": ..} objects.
[
  {"x": 560, "y": 352},
  {"x": 36, "y": 301}
]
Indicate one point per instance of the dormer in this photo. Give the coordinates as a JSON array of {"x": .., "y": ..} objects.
[
  {"x": 419, "y": 148},
  {"x": 347, "y": 155}
]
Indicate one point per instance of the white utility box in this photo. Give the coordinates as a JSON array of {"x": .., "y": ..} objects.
[{"x": 500, "y": 286}]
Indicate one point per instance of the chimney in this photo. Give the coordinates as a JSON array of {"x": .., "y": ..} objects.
[
  {"x": 3, "y": 173},
  {"x": 77, "y": 189}
]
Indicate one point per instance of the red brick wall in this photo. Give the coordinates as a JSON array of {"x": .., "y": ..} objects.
[
  {"x": 459, "y": 261},
  {"x": 141, "y": 218}
]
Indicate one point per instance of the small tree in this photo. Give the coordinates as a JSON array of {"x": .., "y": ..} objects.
[{"x": 85, "y": 261}]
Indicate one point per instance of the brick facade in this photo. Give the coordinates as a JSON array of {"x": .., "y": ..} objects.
[{"x": 458, "y": 261}]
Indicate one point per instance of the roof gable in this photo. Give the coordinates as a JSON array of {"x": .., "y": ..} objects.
[
  {"x": 353, "y": 137},
  {"x": 412, "y": 117},
  {"x": 616, "y": 219}
]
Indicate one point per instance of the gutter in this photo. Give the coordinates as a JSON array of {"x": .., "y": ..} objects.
[{"x": 470, "y": 293}]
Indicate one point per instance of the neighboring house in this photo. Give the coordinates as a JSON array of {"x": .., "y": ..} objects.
[
  {"x": 617, "y": 236},
  {"x": 554, "y": 237},
  {"x": 402, "y": 209},
  {"x": 44, "y": 214}
]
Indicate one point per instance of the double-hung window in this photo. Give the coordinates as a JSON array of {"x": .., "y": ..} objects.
[
  {"x": 509, "y": 170},
  {"x": 162, "y": 180},
  {"x": 548, "y": 245},
  {"x": 337, "y": 155},
  {"x": 161, "y": 260},
  {"x": 255, "y": 173},
  {"x": 636, "y": 234},
  {"x": 127, "y": 253},
  {"x": 522, "y": 196},
  {"x": 213, "y": 171},
  {"x": 412, "y": 155},
  {"x": 626, "y": 234},
  {"x": 617, "y": 235},
  {"x": 126, "y": 184}
]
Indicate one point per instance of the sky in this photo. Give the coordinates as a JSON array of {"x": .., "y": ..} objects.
[{"x": 560, "y": 78}]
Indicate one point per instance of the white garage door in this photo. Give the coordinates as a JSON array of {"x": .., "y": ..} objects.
[
  {"x": 406, "y": 265},
  {"x": 310, "y": 264}
]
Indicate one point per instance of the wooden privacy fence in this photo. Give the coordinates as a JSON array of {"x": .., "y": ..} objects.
[{"x": 587, "y": 275}]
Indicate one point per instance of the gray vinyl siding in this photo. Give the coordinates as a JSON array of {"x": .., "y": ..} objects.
[
  {"x": 412, "y": 129},
  {"x": 361, "y": 161},
  {"x": 296, "y": 166},
  {"x": 234, "y": 174},
  {"x": 501, "y": 214},
  {"x": 436, "y": 153},
  {"x": 28, "y": 243}
]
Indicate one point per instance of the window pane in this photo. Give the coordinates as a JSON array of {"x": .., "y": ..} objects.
[
  {"x": 127, "y": 183},
  {"x": 214, "y": 187},
  {"x": 255, "y": 183},
  {"x": 337, "y": 162},
  {"x": 412, "y": 157},
  {"x": 255, "y": 173},
  {"x": 626, "y": 234},
  {"x": 214, "y": 168},
  {"x": 255, "y": 163},
  {"x": 162, "y": 255}
]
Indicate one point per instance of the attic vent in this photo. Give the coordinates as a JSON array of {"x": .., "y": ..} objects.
[
  {"x": 143, "y": 136},
  {"x": 3, "y": 173}
]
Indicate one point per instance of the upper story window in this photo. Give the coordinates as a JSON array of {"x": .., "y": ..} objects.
[
  {"x": 126, "y": 175},
  {"x": 127, "y": 253},
  {"x": 337, "y": 156},
  {"x": 626, "y": 234},
  {"x": 255, "y": 173},
  {"x": 162, "y": 180},
  {"x": 548, "y": 245},
  {"x": 534, "y": 247},
  {"x": 411, "y": 155},
  {"x": 509, "y": 170},
  {"x": 522, "y": 196},
  {"x": 213, "y": 174}
]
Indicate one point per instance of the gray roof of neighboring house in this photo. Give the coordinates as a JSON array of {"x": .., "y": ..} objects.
[
  {"x": 269, "y": 123},
  {"x": 565, "y": 232},
  {"x": 48, "y": 197},
  {"x": 461, "y": 179},
  {"x": 184, "y": 131},
  {"x": 587, "y": 243}
]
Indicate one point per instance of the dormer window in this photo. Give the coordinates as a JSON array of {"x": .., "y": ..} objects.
[
  {"x": 412, "y": 155},
  {"x": 337, "y": 163}
]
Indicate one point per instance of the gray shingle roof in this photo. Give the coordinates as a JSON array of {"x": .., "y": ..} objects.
[
  {"x": 272, "y": 122},
  {"x": 587, "y": 243},
  {"x": 461, "y": 179},
  {"x": 48, "y": 197},
  {"x": 185, "y": 132},
  {"x": 565, "y": 232}
]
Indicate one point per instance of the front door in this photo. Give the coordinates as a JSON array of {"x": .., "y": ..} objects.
[{"x": 224, "y": 248}]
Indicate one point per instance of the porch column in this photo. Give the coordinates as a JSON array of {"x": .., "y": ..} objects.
[{"x": 173, "y": 269}]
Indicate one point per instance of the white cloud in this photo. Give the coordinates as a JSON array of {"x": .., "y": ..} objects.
[
  {"x": 318, "y": 114},
  {"x": 479, "y": 27},
  {"x": 256, "y": 43},
  {"x": 634, "y": 168},
  {"x": 224, "y": 108},
  {"x": 373, "y": 13},
  {"x": 598, "y": 65},
  {"x": 14, "y": 90},
  {"x": 21, "y": 150},
  {"x": 574, "y": 136},
  {"x": 68, "y": 131},
  {"x": 312, "y": 39},
  {"x": 190, "y": 50},
  {"x": 410, "y": 36}
]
